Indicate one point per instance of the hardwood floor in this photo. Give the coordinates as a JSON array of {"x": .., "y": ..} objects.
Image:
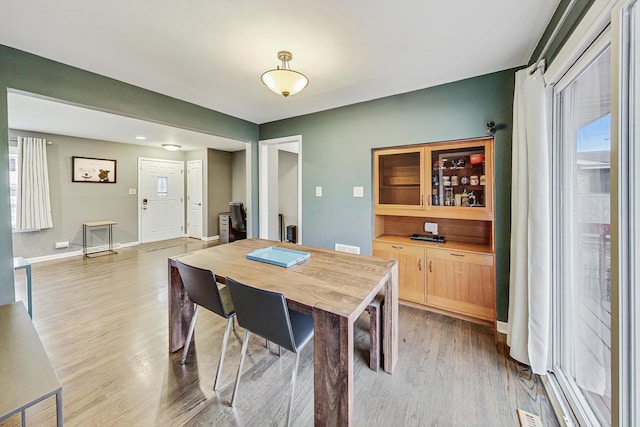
[{"x": 103, "y": 322}]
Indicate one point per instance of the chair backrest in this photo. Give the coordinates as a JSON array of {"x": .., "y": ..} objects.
[
  {"x": 238, "y": 216},
  {"x": 262, "y": 312},
  {"x": 202, "y": 289}
]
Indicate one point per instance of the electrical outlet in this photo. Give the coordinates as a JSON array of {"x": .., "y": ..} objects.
[
  {"x": 358, "y": 191},
  {"x": 61, "y": 245},
  {"x": 431, "y": 226},
  {"x": 318, "y": 191}
]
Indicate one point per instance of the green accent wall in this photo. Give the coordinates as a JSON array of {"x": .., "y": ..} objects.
[
  {"x": 30, "y": 73},
  {"x": 336, "y": 154}
]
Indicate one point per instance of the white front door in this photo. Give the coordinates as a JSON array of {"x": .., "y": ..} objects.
[
  {"x": 161, "y": 195},
  {"x": 194, "y": 198}
]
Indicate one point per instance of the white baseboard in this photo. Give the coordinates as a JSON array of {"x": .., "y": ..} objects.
[
  {"x": 210, "y": 238},
  {"x": 79, "y": 252},
  {"x": 502, "y": 327}
]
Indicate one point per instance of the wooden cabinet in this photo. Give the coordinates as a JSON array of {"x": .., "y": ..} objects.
[
  {"x": 444, "y": 180},
  {"x": 450, "y": 184},
  {"x": 411, "y": 268},
  {"x": 462, "y": 282}
]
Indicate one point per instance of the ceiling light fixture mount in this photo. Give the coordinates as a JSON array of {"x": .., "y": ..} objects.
[
  {"x": 171, "y": 147},
  {"x": 283, "y": 80}
]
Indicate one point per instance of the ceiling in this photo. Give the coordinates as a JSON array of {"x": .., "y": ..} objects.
[
  {"x": 31, "y": 113},
  {"x": 212, "y": 53}
]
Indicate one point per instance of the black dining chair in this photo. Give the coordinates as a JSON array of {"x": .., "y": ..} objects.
[
  {"x": 203, "y": 291},
  {"x": 266, "y": 314}
]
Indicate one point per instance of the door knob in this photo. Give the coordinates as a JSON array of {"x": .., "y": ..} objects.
[{"x": 144, "y": 204}]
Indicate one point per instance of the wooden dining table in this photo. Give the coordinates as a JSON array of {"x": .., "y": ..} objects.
[{"x": 333, "y": 287}]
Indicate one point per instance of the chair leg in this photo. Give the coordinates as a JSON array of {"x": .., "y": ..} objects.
[
  {"x": 224, "y": 348},
  {"x": 244, "y": 352},
  {"x": 293, "y": 387},
  {"x": 189, "y": 336},
  {"x": 267, "y": 343}
]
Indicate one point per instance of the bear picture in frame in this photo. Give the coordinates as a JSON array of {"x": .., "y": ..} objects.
[{"x": 87, "y": 169}]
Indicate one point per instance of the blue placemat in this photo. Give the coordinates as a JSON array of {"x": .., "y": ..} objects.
[{"x": 278, "y": 256}]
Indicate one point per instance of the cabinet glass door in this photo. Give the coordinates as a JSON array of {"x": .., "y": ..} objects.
[
  {"x": 399, "y": 182},
  {"x": 460, "y": 178}
]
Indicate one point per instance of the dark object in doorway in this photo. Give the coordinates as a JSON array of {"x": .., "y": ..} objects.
[{"x": 238, "y": 221}]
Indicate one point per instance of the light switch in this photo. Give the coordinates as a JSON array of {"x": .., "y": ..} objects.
[
  {"x": 358, "y": 191},
  {"x": 132, "y": 191},
  {"x": 318, "y": 191}
]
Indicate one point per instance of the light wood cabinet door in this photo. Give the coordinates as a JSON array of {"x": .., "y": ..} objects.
[
  {"x": 411, "y": 268},
  {"x": 398, "y": 178},
  {"x": 462, "y": 282},
  {"x": 459, "y": 181}
]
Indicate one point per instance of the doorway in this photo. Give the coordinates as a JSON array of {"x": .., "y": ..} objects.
[
  {"x": 194, "y": 198},
  {"x": 280, "y": 162},
  {"x": 160, "y": 199}
]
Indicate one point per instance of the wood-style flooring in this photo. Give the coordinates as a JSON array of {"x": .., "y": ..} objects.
[{"x": 103, "y": 322}]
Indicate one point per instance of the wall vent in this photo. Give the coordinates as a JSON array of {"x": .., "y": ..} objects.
[{"x": 346, "y": 248}]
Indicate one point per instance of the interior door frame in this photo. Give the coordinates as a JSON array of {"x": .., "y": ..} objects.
[
  {"x": 140, "y": 160},
  {"x": 263, "y": 188}
]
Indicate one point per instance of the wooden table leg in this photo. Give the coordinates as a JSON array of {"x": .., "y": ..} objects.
[
  {"x": 332, "y": 369},
  {"x": 390, "y": 319},
  {"x": 180, "y": 310}
]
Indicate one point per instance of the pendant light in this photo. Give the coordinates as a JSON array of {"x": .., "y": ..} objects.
[{"x": 283, "y": 80}]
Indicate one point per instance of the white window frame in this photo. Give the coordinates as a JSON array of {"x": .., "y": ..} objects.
[
  {"x": 625, "y": 174},
  {"x": 625, "y": 139},
  {"x": 584, "y": 417}
]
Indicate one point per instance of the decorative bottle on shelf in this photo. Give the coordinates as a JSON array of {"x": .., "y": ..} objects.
[{"x": 464, "y": 201}]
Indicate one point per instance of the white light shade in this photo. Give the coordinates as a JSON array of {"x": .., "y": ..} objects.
[
  {"x": 285, "y": 82},
  {"x": 171, "y": 147}
]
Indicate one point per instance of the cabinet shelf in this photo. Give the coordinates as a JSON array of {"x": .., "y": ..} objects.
[{"x": 401, "y": 180}]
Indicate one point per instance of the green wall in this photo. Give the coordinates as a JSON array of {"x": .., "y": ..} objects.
[
  {"x": 336, "y": 154},
  {"x": 23, "y": 71}
]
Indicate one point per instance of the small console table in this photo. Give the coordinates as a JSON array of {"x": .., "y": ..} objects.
[
  {"x": 27, "y": 376},
  {"x": 21, "y": 263},
  {"x": 85, "y": 228}
]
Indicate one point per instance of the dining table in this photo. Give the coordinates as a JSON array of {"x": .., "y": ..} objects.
[{"x": 333, "y": 287}]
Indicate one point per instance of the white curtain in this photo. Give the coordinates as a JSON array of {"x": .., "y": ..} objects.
[
  {"x": 530, "y": 269},
  {"x": 33, "y": 211}
]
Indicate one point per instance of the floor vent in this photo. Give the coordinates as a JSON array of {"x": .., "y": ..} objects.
[
  {"x": 527, "y": 419},
  {"x": 346, "y": 248}
]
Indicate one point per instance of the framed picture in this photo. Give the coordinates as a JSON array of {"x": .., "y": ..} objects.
[{"x": 87, "y": 169}]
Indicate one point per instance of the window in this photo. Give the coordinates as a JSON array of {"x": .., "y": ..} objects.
[
  {"x": 582, "y": 209},
  {"x": 163, "y": 186},
  {"x": 13, "y": 183}
]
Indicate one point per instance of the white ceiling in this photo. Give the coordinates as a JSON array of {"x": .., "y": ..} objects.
[
  {"x": 212, "y": 53},
  {"x": 48, "y": 116}
]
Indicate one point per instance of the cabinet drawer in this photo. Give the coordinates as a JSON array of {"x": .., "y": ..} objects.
[
  {"x": 399, "y": 248},
  {"x": 461, "y": 256}
]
